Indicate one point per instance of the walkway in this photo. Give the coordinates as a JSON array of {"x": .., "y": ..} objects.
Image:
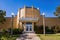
[{"x": 28, "y": 36}]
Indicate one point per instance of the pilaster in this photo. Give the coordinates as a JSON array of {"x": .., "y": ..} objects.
[
  {"x": 24, "y": 26},
  {"x": 32, "y": 26}
]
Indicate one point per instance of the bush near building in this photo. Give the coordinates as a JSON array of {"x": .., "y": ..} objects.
[
  {"x": 6, "y": 34},
  {"x": 56, "y": 29},
  {"x": 52, "y": 30}
]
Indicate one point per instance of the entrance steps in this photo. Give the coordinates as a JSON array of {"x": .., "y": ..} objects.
[{"x": 28, "y": 36}]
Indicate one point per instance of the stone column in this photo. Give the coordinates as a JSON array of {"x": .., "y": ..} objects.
[
  {"x": 28, "y": 27},
  {"x": 24, "y": 27},
  {"x": 32, "y": 26}
]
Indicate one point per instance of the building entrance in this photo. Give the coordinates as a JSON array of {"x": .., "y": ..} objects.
[{"x": 28, "y": 26}]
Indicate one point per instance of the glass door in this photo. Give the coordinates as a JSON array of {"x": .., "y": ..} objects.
[{"x": 28, "y": 26}]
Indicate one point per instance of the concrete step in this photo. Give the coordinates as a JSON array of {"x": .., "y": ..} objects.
[{"x": 28, "y": 36}]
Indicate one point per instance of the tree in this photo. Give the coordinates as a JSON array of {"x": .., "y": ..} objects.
[
  {"x": 57, "y": 13},
  {"x": 55, "y": 29},
  {"x": 2, "y": 16}
]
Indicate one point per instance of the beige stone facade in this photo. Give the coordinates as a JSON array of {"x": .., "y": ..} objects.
[{"x": 27, "y": 16}]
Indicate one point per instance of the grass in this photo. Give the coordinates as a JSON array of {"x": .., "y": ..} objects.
[
  {"x": 6, "y": 38},
  {"x": 49, "y": 36},
  {"x": 11, "y": 37}
]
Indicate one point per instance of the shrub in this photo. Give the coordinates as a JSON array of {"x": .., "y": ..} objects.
[
  {"x": 36, "y": 29},
  {"x": 56, "y": 29},
  {"x": 39, "y": 29},
  {"x": 17, "y": 31}
]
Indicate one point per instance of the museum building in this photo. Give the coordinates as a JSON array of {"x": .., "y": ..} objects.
[{"x": 27, "y": 17}]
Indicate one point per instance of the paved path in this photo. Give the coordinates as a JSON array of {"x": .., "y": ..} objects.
[{"x": 28, "y": 36}]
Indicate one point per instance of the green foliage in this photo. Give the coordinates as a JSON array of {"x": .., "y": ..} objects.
[
  {"x": 17, "y": 31},
  {"x": 14, "y": 31},
  {"x": 8, "y": 38},
  {"x": 36, "y": 29},
  {"x": 56, "y": 29},
  {"x": 57, "y": 13},
  {"x": 39, "y": 30},
  {"x": 2, "y": 14},
  {"x": 58, "y": 9},
  {"x": 6, "y": 34}
]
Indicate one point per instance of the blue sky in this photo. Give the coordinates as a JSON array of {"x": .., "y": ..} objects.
[{"x": 46, "y": 6}]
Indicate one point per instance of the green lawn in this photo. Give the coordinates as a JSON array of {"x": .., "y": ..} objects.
[
  {"x": 8, "y": 37},
  {"x": 49, "y": 36}
]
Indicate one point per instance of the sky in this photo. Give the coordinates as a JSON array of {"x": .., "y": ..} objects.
[{"x": 45, "y": 6}]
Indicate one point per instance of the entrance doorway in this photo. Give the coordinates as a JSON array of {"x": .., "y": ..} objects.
[{"x": 28, "y": 26}]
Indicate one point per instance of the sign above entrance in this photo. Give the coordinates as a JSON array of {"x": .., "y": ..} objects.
[{"x": 29, "y": 19}]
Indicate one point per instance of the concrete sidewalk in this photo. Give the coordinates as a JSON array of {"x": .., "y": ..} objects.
[{"x": 28, "y": 36}]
